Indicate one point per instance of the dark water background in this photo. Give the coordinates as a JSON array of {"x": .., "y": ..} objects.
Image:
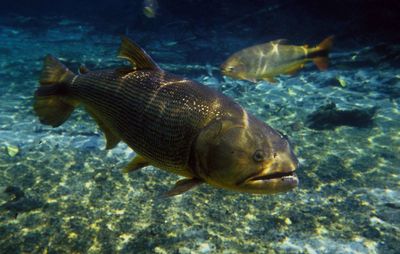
[{"x": 76, "y": 200}]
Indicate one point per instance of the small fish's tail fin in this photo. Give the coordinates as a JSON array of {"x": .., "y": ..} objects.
[
  {"x": 51, "y": 102},
  {"x": 322, "y": 59}
]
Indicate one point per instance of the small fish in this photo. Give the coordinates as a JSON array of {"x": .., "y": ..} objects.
[
  {"x": 172, "y": 123},
  {"x": 265, "y": 61},
  {"x": 150, "y": 8}
]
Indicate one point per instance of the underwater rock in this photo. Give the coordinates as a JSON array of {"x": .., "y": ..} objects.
[
  {"x": 15, "y": 191},
  {"x": 393, "y": 205},
  {"x": 328, "y": 117},
  {"x": 20, "y": 203},
  {"x": 391, "y": 87}
]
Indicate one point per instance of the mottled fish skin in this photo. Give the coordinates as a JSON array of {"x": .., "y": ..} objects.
[{"x": 156, "y": 113}]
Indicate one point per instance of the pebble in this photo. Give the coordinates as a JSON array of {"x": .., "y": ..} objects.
[{"x": 12, "y": 150}]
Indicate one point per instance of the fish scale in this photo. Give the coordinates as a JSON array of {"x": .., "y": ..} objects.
[{"x": 164, "y": 124}]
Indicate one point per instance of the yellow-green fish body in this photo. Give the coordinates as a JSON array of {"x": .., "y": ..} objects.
[
  {"x": 265, "y": 61},
  {"x": 150, "y": 8},
  {"x": 172, "y": 123}
]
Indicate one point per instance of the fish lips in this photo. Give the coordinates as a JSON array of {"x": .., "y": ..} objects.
[
  {"x": 271, "y": 183},
  {"x": 224, "y": 72}
]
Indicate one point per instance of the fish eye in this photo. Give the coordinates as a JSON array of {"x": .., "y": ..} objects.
[
  {"x": 259, "y": 156},
  {"x": 230, "y": 68}
]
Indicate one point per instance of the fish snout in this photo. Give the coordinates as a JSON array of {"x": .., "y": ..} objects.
[
  {"x": 281, "y": 172},
  {"x": 277, "y": 176},
  {"x": 285, "y": 162},
  {"x": 223, "y": 69}
]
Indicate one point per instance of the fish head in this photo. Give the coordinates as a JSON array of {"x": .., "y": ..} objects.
[
  {"x": 251, "y": 157},
  {"x": 233, "y": 67}
]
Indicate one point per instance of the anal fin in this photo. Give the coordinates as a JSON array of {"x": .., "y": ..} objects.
[
  {"x": 294, "y": 69},
  {"x": 182, "y": 186},
  {"x": 321, "y": 62},
  {"x": 111, "y": 139},
  {"x": 137, "y": 163},
  {"x": 253, "y": 80}
]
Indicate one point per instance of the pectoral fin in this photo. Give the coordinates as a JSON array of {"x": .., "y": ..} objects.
[
  {"x": 182, "y": 186},
  {"x": 137, "y": 163}
]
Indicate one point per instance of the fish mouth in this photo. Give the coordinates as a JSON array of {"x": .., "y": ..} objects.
[
  {"x": 274, "y": 176},
  {"x": 271, "y": 183},
  {"x": 224, "y": 70}
]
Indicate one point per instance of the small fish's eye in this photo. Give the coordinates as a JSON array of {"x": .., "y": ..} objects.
[
  {"x": 230, "y": 68},
  {"x": 259, "y": 156}
]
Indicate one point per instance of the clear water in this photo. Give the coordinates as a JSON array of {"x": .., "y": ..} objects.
[{"x": 78, "y": 201}]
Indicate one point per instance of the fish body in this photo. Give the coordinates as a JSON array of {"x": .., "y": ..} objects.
[
  {"x": 172, "y": 123},
  {"x": 156, "y": 113},
  {"x": 150, "y": 8},
  {"x": 265, "y": 61}
]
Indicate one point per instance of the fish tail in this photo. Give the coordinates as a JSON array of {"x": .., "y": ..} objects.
[
  {"x": 51, "y": 103},
  {"x": 321, "y": 59}
]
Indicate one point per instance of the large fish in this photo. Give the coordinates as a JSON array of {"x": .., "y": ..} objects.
[
  {"x": 172, "y": 123},
  {"x": 265, "y": 61}
]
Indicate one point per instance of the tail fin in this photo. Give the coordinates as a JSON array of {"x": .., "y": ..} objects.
[
  {"x": 51, "y": 103},
  {"x": 322, "y": 60}
]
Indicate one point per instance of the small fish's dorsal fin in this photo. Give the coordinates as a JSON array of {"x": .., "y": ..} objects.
[
  {"x": 136, "y": 55},
  {"x": 279, "y": 41},
  {"x": 83, "y": 69}
]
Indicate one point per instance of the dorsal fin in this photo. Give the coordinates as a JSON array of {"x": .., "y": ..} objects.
[
  {"x": 136, "y": 55},
  {"x": 83, "y": 69},
  {"x": 279, "y": 41}
]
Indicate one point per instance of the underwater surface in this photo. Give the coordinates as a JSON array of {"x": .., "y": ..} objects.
[{"x": 62, "y": 192}]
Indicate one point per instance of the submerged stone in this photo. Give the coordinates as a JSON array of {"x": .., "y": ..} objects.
[
  {"x": 328, "y": 117},
  {"x": 12, "y": 150},
  {"x": 19, "y": 203}
]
